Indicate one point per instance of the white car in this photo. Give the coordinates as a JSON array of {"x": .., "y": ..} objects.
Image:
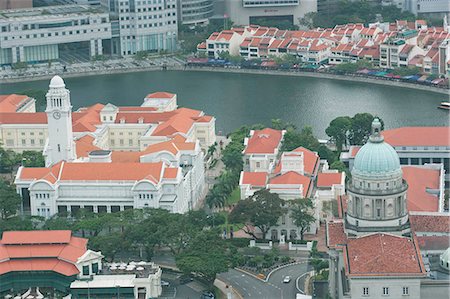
[
  {"x": 165, "y": 283},
  {"x": 287, "y": 279}
]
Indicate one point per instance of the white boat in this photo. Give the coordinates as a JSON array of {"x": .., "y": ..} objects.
[{"x": 445, "y": 105}]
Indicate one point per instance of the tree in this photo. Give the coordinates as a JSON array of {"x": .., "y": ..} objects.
[
  {"x": 206, "y": 255},
  {"x": 33, "y": 159},
  {"x": 232, "y": 156},
  {"x": 212, "y": 149},
  {"x": 308, "y": 20},
  {"x": 361, "y": 128},
  {"x": 338, "y": 130},
  {"x": 294, "y": 139},
  {"x": 8, "y": 160},
  {"x": 300, "y": 213},
  {"x": 261, "y": 210},
  {"x": 9, "y": 200}
]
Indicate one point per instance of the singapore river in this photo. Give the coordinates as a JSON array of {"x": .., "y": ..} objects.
[{"x": 238, "y": 99}]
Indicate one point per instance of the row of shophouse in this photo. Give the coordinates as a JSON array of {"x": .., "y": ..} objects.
[{"x": 387, "y": 45}]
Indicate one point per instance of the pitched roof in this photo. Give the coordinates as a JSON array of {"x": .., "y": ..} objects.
[
  {"x": 36, "y": 237},
  {"x": 310, "y": 159},
  {"x": 292, "y": 178},
  {"x": 160, "y": 95},
  {"x": 430, "y": 223},
  {"x": 383, "y": 255},
  {"x": 329, "y": 179},
  {"x": 23, "y": 118},
  {"x": 263, "y": 141},
  {"x": 11, "y": 102},
  {"x": 335, "y": 234},
  {"x": 253, "y": 178},
  {"x": 419, "y": 181},
  {"x": 433, "y": 242},
  {"x": 418, "y": 136},
  {"x": 84, "y": 146}
]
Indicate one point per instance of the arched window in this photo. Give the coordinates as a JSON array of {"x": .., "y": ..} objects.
[
  {"x": 390, "y": 210},
  {"x": 367, "y": 211}
]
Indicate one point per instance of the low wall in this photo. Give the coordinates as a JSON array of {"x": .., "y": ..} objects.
[{"x": 301, "y": 247}]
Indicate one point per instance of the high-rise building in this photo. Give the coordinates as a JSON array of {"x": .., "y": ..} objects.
[
  {"x": 13, "y": 4},
  {"x": 195, "y": 12}
]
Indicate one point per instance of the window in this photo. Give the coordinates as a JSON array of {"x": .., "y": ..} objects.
[
  {"x": 258, "y": 164},
  {"x": 95, "y": 268},
  {"x": 85, "y": 270},
  {"x": 385, "y": 291},
  {"x": 405, "y": 291},
  {"x": 365, "y": 291}
]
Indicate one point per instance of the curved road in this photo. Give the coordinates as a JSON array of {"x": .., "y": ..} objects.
[{"x": 250, "y": 287}]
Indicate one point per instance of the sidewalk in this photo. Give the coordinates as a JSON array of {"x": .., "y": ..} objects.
[{"x": 227, "y": 290}]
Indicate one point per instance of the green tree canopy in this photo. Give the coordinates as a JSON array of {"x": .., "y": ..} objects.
[
  {"x": 338, "y": 130},
  {"x": 261, "y": 210},
  {"x": 301, "y": 210},
  {"x": 9, "y": 200}
]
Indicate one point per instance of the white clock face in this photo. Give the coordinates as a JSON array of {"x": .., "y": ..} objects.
[{"x": 56, "y": 115}]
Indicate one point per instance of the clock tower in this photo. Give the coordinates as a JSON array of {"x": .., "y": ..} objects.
[{"x": 60, "y": 145}]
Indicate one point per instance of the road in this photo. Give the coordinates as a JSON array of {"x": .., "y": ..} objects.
[{"x": 250, "y": 287}]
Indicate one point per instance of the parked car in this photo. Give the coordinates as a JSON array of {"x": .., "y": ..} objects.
[
  {"x": 286, "y": 279},
  {"x": 165, "y": 283},
  {"x": 185, "y": 279},
  {"x": 207, "y": 295}
]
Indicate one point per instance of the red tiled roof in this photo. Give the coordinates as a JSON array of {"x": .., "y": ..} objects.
[
  {"x": 36, "y": 237},
  {"x": 263, "y": 141},
  {"x": 23, "y": 118},
  {"x": 170, "y": 172},
  {"x": 430, "y": 223},
  {"x": 160, "y": 95},
  {"x": 433, "y": 242},
  {"x": 418, "y": 136},
  {"x": 310, "y": 160},
  {"x": 48, "y": 264},
  {"x": 335, "y": 234},
  {"x": 419, "y": 180},
  {"x": 11, "y": 102},
  {"x": 292, "y": 178},
  {"x": 254, "y": 178},
  {"x": 329, "y": 179},
  {"x": 84, "y": 146},
  {"x": 383, "y": 255}
]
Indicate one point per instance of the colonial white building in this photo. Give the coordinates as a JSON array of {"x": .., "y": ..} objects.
[
  {"x": 83, "y": 171},
  {"x": 261, "y": 149}
]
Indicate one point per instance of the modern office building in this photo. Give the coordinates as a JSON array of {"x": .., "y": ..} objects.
[
  {"x": 48, "y": 33},
  {"x": 247, "y": 12},
  {"x": 13, "y": 4},
  {"x": 195, "y": 12},
  {"x": 142, "y": 25}
]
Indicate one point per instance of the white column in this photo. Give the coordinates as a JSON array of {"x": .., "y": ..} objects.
[
  {"x": 14, "y": 54},
  {"x": 100, "y": 47},
  {"x": 93, "y": 52},
  {"x": 21, "y": 53}
]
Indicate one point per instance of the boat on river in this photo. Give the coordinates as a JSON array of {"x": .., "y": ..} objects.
[{"x": 445, "y": 106}]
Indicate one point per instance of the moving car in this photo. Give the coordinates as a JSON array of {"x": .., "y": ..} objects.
[{"x": 286, "y": 279}]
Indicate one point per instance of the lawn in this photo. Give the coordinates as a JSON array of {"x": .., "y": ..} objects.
[{"x": 234, "y": 197}]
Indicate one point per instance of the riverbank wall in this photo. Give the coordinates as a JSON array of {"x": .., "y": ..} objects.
[{"x": 238, "y": 71}]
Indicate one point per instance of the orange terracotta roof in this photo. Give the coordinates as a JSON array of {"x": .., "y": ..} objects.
[
  {"x": 263, "y": 141},
  {"x": 84, "y": 146},
  {"x": 178, "y": 124},
  {"x": 254, "y": 178},
  {"x": 418, "y": 136},
  {"x": 11, "y": 102},
  {"x": 383, "y": 255},
  {"x": 125, "y": 157},
  {"x": 137, "y": 109},
  {"x": 170, "y": 173},
  {"x": 419, "y": 181},
  {"x": 329, "y": 179},
  {"x": 23, "y": 118},
  {"x": 433, "y": 242},
  {"x": 335, "y": 234},
  {"x": 292, "y": 178},
  {"x": 430, "y": 223},
  {"x": 36, "y": 173},
  {"x": 48, "y": 264},
  {"x": 160, "y": 95},
  {"x": 36, "y": 237},
  {"x": 310, "y": 159}
]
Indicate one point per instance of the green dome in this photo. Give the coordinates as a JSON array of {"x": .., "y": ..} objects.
[{"x": 376, "y": 158}]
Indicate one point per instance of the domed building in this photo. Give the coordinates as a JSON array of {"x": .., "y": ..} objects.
[{"x": 377, "y": 190}]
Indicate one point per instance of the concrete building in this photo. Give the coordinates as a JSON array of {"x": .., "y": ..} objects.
[
  {"x": 46, "y": 33},
  {"x": 150, "y": 26},
  {"x": 13, "y": 4},
  {"x": 194, "y": 12},
  {"x": 249, "y": 11},
  {"x": 261, "y": 149}
]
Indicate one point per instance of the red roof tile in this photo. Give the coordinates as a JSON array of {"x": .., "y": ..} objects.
[
  {"x": 263, "y": 141},
  {"x": 23, "y": 118},
  {"x": 170, "y": 173},
  {"x": 418, "y": 136},
  {"x": 433, "y": 242},
  {"x": 292, "y": 178},
  {"x": 84, "y": 146},
  {"x": 160, "y": 95},
  {"x": 329, "y": 179},
  {"x": 419, "y": 180},
  {"x": 430, "y": 223},
  {"x": 383, "y": 255},
  {"x": 254, "y": 178},
  {"x": 310, "y": 159},
  {"x": 36, "y": 237},
  {"x": 335, "y": 234},
  {"x": 11, "y": 102}
]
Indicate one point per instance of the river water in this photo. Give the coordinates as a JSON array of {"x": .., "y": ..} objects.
[{"x": 238, "y": 99}]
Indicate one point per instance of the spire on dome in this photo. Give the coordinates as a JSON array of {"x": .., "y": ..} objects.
[{"x": 376, "y": 136}]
